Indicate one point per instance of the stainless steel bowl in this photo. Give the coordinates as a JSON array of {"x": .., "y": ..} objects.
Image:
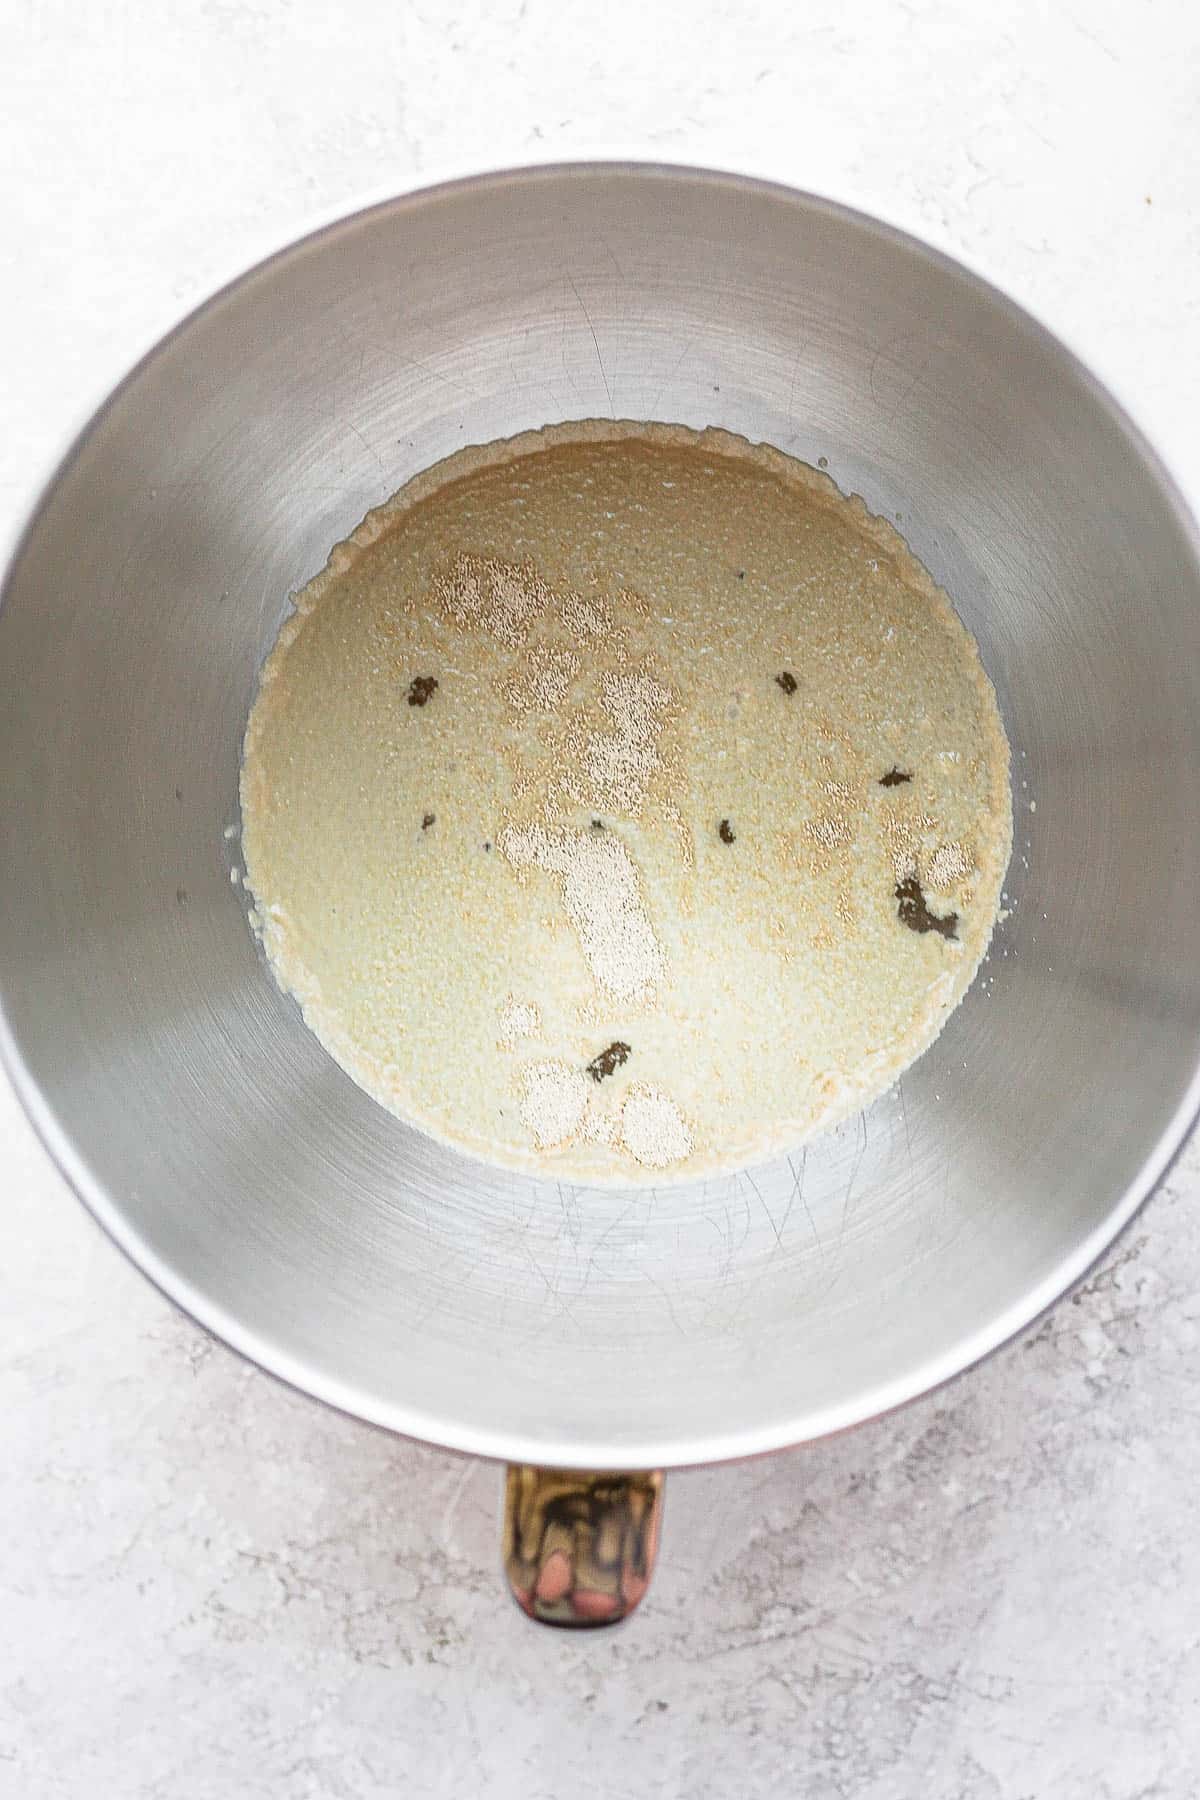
[{"x": 206, "y": 1128}]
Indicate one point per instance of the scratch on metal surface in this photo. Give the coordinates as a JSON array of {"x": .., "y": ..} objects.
[
  {"x": 889, "y": 351},
  {"x": 908, "y": 393},
  {"x": 548, "y": 1321},
  {"x": 522, "y": 1225},
  {"x": 872, "y": 389},
  {"x": 1094, "y": 38},
  {"x": 854, "y": 1173},
  {"x": 791, "y": 405},
  {"x": 762, "y": 1202},
  {"x": 524, "y": 385},
  {"x": 612, "y": 256},
  {"x": 656, "y": 1283},
  {"x": 562, "y": 352},
  {"x": 904, "y": 1116},
  {"x": 652, "y": 409},
  {"x": 568, "y": 1206},
  {"x": 726, "y": 1269},
  {"x": 745, "y": 1219},
  {"x": 612, "y": 1226},
  {"x": 435, "y": 374},
  {"x": 368, "y": 447},
  {"x": 533, "y": 1262},
  {"x": 596, "y": 341},
  {"x": 797, "y": 1193},
  {"x": 562, "y": 1305},
  {"x": 437, "y": 1299}
]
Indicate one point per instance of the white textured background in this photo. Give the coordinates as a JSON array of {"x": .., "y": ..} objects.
[{"x": 210, "y": 1589}]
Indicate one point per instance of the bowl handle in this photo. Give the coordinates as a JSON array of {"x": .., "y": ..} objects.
[{"x": 579, "y": 1547}]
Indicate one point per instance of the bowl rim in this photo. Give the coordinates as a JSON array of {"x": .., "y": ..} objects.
[{"x": 410, "y": 1420}]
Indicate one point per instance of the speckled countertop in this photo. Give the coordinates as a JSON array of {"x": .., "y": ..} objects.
[{"x": 209, "y": 1586}]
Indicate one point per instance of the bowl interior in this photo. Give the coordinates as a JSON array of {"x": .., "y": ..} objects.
[{"x": 207, "y": 1128}]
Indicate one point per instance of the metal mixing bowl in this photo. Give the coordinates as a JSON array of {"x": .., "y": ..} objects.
[{"x": 209, "y": 1132}]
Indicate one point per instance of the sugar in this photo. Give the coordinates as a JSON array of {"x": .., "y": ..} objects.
[
  {"x": 948, "y": 864},
  {"x": 618, "y": 766},
  {"x": 603, "y": 899},
  {"x": 543, "y": 680},
  {"x": 653, "y": 1129},
  {"x": 501, "y": 598},
  {"x": 519, "y": 1019},
  {"x": 583, "y": 617},
  {"x": 553, "y": 1102}
]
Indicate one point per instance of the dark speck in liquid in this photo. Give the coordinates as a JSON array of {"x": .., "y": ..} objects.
[
  {"x": 608, "y": 1060},
  {"x": 914, "y": 912}
]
